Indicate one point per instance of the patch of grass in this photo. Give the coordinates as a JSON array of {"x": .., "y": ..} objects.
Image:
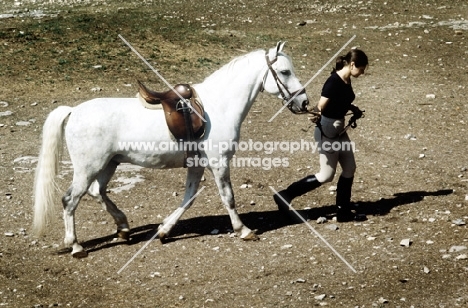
[
  {"x": 204, "y": 61},
  {"x": 71, "y": 44}
]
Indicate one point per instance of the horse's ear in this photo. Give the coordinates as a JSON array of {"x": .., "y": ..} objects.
[
  {"x": 273, "y": 53},
  {"x": 279, "y": 46}
]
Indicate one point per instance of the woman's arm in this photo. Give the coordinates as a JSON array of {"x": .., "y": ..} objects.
[{"x": 322, "y": 103}]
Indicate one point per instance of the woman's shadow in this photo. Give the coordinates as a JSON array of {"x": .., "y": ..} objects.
[
  {"x": 262, "y": 222},
  {"x": 379, "y": 207},
  {"x": 384, "y": 206}
]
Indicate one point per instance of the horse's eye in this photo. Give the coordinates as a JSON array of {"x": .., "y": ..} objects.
[{"x": 286, "y": 73}]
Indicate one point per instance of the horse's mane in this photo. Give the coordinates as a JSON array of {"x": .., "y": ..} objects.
[{"x": 231, "y": 66}]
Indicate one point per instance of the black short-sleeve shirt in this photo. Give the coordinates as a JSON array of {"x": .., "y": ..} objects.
[{"x": 340, "y": 95}]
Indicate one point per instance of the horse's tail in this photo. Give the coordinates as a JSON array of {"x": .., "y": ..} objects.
[{"x": 47, "y": 167}]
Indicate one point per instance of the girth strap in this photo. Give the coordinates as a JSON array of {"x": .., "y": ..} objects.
[{"x": 186, "y": 111}]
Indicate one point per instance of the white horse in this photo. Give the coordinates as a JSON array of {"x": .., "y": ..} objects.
[{"x": 96, "y": 129}]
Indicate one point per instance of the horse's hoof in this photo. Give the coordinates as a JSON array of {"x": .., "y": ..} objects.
[
  {"x": 64, "y": 251},
  {"x": 251, "y": 237},
  {"x": 80, "y": 254},
  {"x": 162, "y": 237},
  {"x": 123, "y": 234}
]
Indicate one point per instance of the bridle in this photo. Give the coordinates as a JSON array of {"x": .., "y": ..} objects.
[{"x": 289, "y": 96}]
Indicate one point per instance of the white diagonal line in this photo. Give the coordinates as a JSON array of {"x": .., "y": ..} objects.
[
  {"x": 159, "y": 75},
  {"x": 314, "y": 231},
  {"x": 157, "y": 233},
  {"x": 279, "y": 111},
  {"x": 313, "y": 77}
]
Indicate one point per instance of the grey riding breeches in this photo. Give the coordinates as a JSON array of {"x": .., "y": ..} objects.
[{"x": 333, "y": 149}]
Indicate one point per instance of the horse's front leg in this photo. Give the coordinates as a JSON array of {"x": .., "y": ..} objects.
[
  {"x": 193, "y": 181},
  {"x": 223, "y": 181}
]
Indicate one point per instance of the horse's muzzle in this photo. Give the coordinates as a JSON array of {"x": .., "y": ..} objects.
[{"x": 298, "y": 108}]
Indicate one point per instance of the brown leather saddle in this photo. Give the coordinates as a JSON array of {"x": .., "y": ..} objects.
[{"x": 183, "y": 110}]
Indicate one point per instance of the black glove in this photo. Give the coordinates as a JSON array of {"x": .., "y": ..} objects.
[{"x": 357, "y": 113}]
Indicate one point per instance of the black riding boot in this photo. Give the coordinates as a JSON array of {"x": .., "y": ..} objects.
[
  {"x": 343, "y": 200},
  {"x": 294, "y": 190}
]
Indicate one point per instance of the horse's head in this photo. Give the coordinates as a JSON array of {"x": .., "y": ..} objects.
[{"x": 281, "y": 80}]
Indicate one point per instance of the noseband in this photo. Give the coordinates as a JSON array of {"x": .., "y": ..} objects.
[{"x": 290, "y": 96}]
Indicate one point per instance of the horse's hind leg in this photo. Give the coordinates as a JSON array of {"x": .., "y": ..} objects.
[
  {"x": 70, "y": 202},
  {"x": 223, "y": 181},
  {"x": 193, "y": 181},
  {"x": 98, "y": 190}
]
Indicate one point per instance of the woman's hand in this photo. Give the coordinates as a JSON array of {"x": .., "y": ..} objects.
[{"x": 315, "y": 115}]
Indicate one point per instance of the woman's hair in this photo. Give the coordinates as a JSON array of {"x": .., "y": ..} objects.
[{"x": 354, "y": 55}]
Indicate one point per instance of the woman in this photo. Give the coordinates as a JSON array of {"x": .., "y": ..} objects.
[{"x": 334, "y": 144}]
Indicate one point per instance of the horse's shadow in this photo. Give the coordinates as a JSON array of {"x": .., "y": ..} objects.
[{"x": 262, "y": 221}]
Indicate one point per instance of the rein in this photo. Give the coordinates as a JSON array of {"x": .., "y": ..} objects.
[{"x": 351, "y": 124}]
